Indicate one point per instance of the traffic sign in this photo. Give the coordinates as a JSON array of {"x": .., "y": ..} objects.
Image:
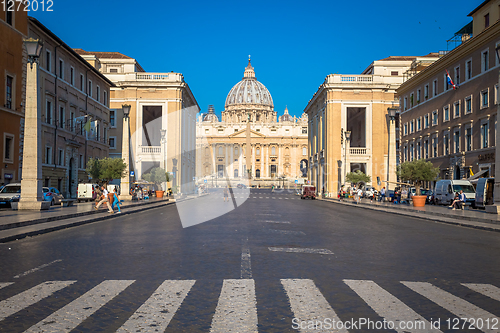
[{"x": 132, "y": 173}]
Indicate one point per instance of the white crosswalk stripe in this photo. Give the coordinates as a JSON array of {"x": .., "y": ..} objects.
[
  {"x": 71, "y": 315},
  {"x": 307, "y": 302},
  {"x": 31, "y": 296},
  {"x": 242, "y": 318},
  {"x": 236, "y": 309},
  {"x": 157, "y": 312},
  {"x": 454, "y": 304},
  {"x": 389, "y": 307},
  {"x": 485, "y": 289}
]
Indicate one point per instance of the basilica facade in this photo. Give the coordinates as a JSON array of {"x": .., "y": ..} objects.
[{"x": 278, "y": 145}]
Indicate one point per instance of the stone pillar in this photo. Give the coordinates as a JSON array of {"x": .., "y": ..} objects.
[
  {"x": 31, "y": 183},
  {"x": 231, "y": 154},
  {"x": 495, "y": 208},
  {"x": 253, "y": 161},
  {"x": 391, "y": 171},
  {"x": 125, "y": 181},
  {"x": 263, "y": 172}
]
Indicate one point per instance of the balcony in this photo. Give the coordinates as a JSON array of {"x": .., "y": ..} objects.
[
  {"x": 149, "y": 150},
  {"x": 357, "y": 151}
]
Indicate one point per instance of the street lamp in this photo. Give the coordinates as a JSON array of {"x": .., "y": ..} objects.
[
  {"x": 347, "y": 143},
  {"x": 391, "y": 159},
  {"x": 31, "y": 182},
  {"x": 495, "y": 208},
  {"x": 125, "y": 181},
  {"x": 163, "y": 163}
]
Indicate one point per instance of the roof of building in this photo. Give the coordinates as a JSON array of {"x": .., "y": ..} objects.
[
  {"x": 69, "y": 49},
  {"x": 109, "y": 55},
  {"x": 478, "y": 7},
  {"x": 286, "y": 116}
]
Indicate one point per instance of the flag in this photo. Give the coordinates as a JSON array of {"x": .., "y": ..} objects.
[
  {"x": 471, "y": 173},
  {"x": 87, "y": 126},
  {"x": 450, "y": 82}
]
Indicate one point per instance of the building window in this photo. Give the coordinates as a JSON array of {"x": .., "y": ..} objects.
[
  {"x": 9, "y": 15},
  {"x": 468, "y": 104},
  {"x": 418, "y": 96},
  {"x": 496, "y": 93},
  {"x": 484, "y": 99},
  {"x": 446, "y": 84},
  {"x": 304, "y": 130},
  {"x": 446, "y": 113},
  {"x": 457, "y": 76},
  {"x": 220, "y": 151},
  {"x": 486, "y": 20},
  {"x": 418, "y": 150},
  {"x": 113, "y": 70},
  {"x": 257, "y": 152},
  {"x": 98, "y": 93},
  {"x": 419, "y": 124},
  {"x": 484, "y": 61},
  {"x": 304, "y": 151},
  {"x": 71, "y": 121},
  {"x": 207, "y": 131},
  {"x": 434, "y": 147},
  {"x": 112, "y": 142},
  {"x": 426, "y": 149},
  {"x": 112, "y": 119},
  {"x": 411, "y": 126},
  {"x": 82, "y": 87},
  {"x": 456, "y": 109},
  {"x": 434, "y": 118},
  {"x": 405, "y": 153},
  {"x": 446, "y": 144},
  {"x": 236, "y": 151},
  {"x": 435, "y": 88},
  {"x": 8, "y": 148},
  {"x": 81, "y": 162},
  {"x": 405, "y": 129},
  {"x": 105, "y": 98},
  {"x": 273, "y": 151},
  {"x": 61, "y": 69},
  {"x": 48, "y": 155},
  {"x": 48, "y": 61},
  {"x": 90, "y": 89},
  {"x": 426, "y": 91},
  {"x": 61, "y": 116},
  {"x": 72, "y": 76},
  {"x": 48, "y": 112},
  {"x": 9, "y": 91},
  {"x": 484, "y": 135},
  {"x": 456, "y": 141},
  {"x": 405, "y": 103},
  {"x": 257, "y": 173},
  {"x": 411, "y": 100},
  {"x": 426, "y": 121},
  {"x": 60, "y": 160},
  {"x": 411, "y": 151},
  {"x": 468, "y": 139},
  {"x": 394, "y": 73},
  {"x": 468, "y": 70}
]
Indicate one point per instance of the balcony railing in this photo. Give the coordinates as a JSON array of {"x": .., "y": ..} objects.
[
  {"x": 357, "y": 151},
  {"x": 356, "y": 78},
  {"x": 150, "y": 149},
  {"x": 152, "y": 76}
]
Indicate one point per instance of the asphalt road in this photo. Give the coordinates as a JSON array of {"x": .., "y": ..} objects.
[{"x": 252, "y": 269}]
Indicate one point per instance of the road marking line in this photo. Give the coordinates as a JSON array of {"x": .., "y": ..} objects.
[
  {"x": 286, "y": 222},
  {"x": 268, "y": 214},
  {"x": 237, "y": 308},
  {"x": 285, "y": 232},
  {"x": 5, "y": 284},
  {"x": 246, "y": 263},
  {"x": 485, "y": 289},
  {"x": 286, "y": 198},
  {"x": 300, "y": 250},
  {"x": 36, "y": 269},
  {"x": 267, "y": 197},
  {"x": 73, "y": 314},
  {"x": 260, "y": 197},
  {"x": 455, "y": 305},
  {"x": 388, "y": 306},
  {"x": 159, "y": 309},
  {"x": 307, "y": 302},
  {"x": 31, "y": 296}
]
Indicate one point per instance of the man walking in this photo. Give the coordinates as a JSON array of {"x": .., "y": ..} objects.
[
  {"x": 226, "y": 194},
  {"x": 382, "y": 194},
  {"x": 104, "y": 198}
]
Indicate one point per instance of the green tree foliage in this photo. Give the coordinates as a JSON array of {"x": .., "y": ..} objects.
[
  {"x": 156, "y": 175},
  {"x": 357, "y": 177},
  {"x": 417, "y": 172},
  {"x": 106, "y": 169}
]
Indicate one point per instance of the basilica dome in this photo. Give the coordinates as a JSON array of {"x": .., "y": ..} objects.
[{"x": 249, "y": 91}]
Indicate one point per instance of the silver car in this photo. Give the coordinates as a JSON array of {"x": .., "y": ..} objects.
[{"x": 10, "y": 193}]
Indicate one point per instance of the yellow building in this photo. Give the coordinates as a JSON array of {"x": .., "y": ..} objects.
[
  {"x": 13, "y": 28},
  {"x": 278, "y": 146},
  {"x": 162, "y": 117},
  {"x": 357, "y": 104}
]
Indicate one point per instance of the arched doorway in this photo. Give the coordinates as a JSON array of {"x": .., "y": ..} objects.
[
  {"x": 303, "y": 167},
  {"x": 235, "y": 173},
  {"x": 457, "y": 172}
]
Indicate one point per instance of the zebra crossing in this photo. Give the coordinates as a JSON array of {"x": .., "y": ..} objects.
[{"x": 237, "y": 306}]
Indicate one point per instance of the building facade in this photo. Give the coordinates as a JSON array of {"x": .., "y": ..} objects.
[
  {"x": 72, "y": 93},
  {"x": 13, "y": 28},
  {"x": 162, "y": 118},
  {"x": 453, "y": 124},
  {"x": 357, "y": 104},
  {"x": 278, "y": 147}
]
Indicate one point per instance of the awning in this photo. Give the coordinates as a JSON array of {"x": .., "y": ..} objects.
[{"x": 477, "y": 175}]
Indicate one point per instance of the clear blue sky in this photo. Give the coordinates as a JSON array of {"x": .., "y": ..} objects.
[{"x": 293, "y": 44}]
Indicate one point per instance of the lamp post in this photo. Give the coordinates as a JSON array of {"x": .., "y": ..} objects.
[
  {"x": 495, "y": 208},
  {"x": 31, "y": 182},
  {"x": 163, "y": 163},
  {"x": 125, "y": 182},
  {"x": 391, "y": 159},
  {"x": 346, "y": 149}
]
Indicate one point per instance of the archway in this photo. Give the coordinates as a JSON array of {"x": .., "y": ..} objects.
[{"x": 303, "y": 167}]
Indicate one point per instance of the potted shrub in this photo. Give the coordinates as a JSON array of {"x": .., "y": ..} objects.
[
  {"x": 156, "y": 176},
  {"x": 417, "y": 172}
]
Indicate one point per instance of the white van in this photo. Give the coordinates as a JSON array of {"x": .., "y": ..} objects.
[
  {"x": 445, "y": 190},
  {"x": 484, "y": 191},
  {"x": 85, "y": 192},
  {"x": 111, "y": 188}
]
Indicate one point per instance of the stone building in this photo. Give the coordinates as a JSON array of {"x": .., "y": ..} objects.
[
  {"x": 357, "y": 104},
  {"x": 454, "y": 127},
  {"x": 162, "y": 117},
  {"x": 278, "y": 146},
  {"x": 13, "y": 28},
  {"x": 71, "y": 94}
]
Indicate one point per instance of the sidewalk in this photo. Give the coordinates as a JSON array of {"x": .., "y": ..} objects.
[
  {"x": 472, "y": 218},
  {"x": 20, "y": 224}
]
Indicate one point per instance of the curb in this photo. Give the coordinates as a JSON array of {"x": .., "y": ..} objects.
[
  {"x": 448, "y": 220},
  {"x": 78, "y": 223}
]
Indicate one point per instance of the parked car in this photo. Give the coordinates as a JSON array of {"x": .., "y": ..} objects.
[
  {"x": 445, "y": 191},
  {"x": 370, "y": 192},
  {"x": 10, "y": 193},
  {"x": 308, "y": 191},
  {"x": 241, "y": 186},
  {"x": 53, "y": 195}
]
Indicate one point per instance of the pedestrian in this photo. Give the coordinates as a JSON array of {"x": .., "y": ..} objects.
[
  {"x": 382, "y": 194},
  {"x": 116, "y": 201},
  {"x": 359, "y": 194},
  {"x": 226, "y": 193},
  {"x": 104, "y": 199},
  {"x": 97, "y": 195},
  {"x": 272, "y": 188},
  {"x": 459, "y": 200}
]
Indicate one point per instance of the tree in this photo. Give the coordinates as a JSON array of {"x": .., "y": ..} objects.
[
  {"x": 357, "y": 177},
  {"x": 106, "y": 169},
  {"x": 157, "y": 176},
  {"x": 417, "y": 172}
]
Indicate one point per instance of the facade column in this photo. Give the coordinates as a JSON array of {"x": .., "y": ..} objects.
[
  {"x": 125, "y": 181},
  {"x": 231, "y": 153},
  {"x": 240, "y": 161},
  {"x": 391, "y": 172},
  {"x": 263, "y": 161},
  {"x": 253, "y": 161}
]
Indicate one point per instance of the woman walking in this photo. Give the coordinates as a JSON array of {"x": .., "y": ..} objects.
[{"x": 116, "y": 201}]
